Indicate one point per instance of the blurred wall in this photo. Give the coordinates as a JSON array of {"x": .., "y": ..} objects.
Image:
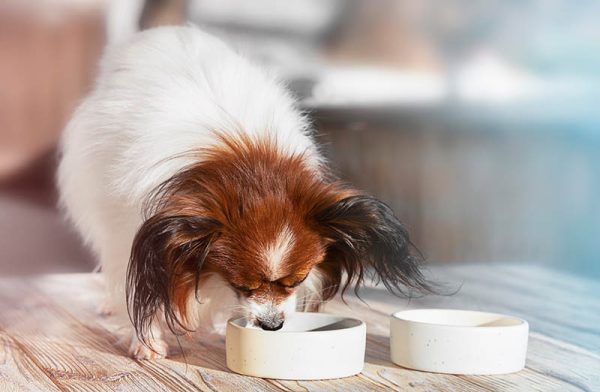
[
  {"x": 478, "y": 188},
  {"x": 476, "y": 120}
]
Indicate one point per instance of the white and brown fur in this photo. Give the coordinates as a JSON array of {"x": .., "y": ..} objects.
[{"x": 195, "y": 180}]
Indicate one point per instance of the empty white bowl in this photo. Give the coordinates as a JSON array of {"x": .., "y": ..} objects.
[
  {"x": 458, "y": 341},
  {"x": 310, "y": 346}
]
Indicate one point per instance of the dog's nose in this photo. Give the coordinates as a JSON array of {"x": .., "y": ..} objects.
[{"x": 270, "y": 326}]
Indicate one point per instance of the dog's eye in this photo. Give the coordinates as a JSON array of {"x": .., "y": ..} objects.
[
  {"x": 243, "y": 289},
  {"x": 293, "y": 285}
]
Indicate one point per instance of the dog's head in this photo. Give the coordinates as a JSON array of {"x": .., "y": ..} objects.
[{"x": 271, "y": 226}]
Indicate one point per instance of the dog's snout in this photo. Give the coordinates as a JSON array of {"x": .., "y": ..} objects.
[
  {"x": 268, "y": 316},
  {"x": 270, "y": 325}
]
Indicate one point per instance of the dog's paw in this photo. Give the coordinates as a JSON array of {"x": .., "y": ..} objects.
[{"x": 153, "y": 349}]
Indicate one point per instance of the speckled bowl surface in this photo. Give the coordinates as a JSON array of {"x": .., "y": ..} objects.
[
  {"x": 310, "y": 346},
  {"x": 458, "y": 341}
]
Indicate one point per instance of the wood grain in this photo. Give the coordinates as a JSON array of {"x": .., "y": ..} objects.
[
  {"x": 19, "y": 372},
  {"x": 53, "y": 339}
]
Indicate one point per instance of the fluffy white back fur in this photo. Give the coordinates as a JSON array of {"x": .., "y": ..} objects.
[{"x": 157, "y": 98}]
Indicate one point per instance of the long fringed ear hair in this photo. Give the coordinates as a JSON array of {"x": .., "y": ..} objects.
[
  {"x": 365, "y": 238},
  {"x": 166, "y": 258},
  {"x": 168, "y": 253}
]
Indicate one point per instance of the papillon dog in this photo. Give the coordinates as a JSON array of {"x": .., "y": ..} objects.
[{"x": 194, "y": 178}]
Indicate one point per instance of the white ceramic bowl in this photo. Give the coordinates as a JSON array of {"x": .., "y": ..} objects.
[
  {"x": 310, "y": 346},
  {"x": 458, "y": 341}
]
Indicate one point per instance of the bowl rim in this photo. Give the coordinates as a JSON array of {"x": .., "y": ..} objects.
[
  {"x": 520, "y": 322},
  {"x": 360, "y": 324}
]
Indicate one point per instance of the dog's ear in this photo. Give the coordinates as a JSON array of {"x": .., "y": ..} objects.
[
  {"x": 364, "y": 237},
  {"x": 166, "y": 258}
]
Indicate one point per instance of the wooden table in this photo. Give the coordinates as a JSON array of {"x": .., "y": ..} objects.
[{"x": 52, "y": 338}]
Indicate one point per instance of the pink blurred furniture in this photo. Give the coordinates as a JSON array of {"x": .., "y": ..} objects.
[{"x": 49, "y": 52}]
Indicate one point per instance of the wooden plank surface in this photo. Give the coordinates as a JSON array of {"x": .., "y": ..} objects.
[{"x": 52, "y": 338}]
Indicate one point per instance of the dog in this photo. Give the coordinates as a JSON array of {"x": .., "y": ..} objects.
[{"x": 196, "y": 182}]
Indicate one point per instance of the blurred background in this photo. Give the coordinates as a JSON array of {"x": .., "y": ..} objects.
[{"x": 477, "y": 121}]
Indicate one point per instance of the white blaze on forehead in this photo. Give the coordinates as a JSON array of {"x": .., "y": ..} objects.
[{"x": 275, "y": 252}]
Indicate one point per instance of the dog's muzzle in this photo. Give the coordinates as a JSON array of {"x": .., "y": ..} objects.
[{"x": 270, "y": 324}]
